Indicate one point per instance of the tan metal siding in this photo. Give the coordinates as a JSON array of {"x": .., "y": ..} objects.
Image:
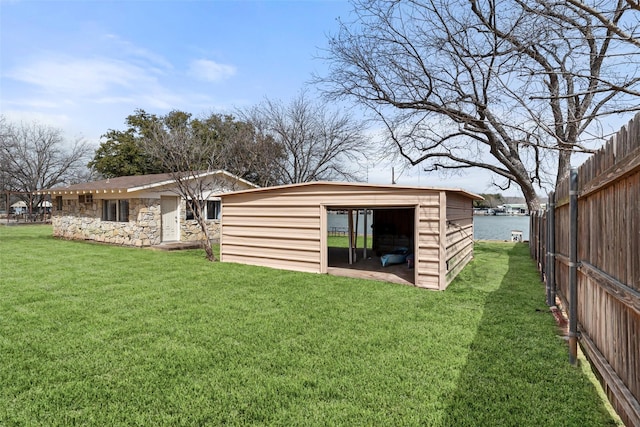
[
  {"x": 273, "y": 263},
  {"x": 286, "y": 227},
  {"x": 279, "y": 253},
  {"x": 275, "y": 221},
  {"x": 459, "y": 234},
  {"x": 288, "y": 231},
  {"x": 428, "y": 251},
  {"x": 443, "y": 242},
  {"x": 334, "y": 197},
  {"x": 270, "y": 235}
]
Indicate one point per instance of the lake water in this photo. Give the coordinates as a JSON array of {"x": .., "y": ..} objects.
[
  {"x": 499, "y": 227},
  {"x": 484, "y": 227}
]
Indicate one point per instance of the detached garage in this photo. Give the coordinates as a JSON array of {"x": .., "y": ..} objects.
[{"x": 286, "y": 227}]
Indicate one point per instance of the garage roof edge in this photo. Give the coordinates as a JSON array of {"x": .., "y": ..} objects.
[{"x": 354, "y": 185}]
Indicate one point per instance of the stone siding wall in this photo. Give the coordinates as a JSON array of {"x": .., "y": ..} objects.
[
  {"x": 190, "y": 229},
  {"x": 79, "y": 221}
]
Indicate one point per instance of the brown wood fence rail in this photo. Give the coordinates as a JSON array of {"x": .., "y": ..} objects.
[{"x": 604, "y": 298}]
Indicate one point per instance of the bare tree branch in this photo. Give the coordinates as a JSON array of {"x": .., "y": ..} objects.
[
  {"x": 34, "y": 156},
  {"x": 612, "y": 24},
  {"x": 187, "y": 152},
  {"x": 486, "y": 83},
  {"x": 317, "y": 142}
]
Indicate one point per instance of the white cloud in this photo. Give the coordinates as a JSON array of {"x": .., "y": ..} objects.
[
  {"x": 36, "y": 103},
  {"x": 114, "y": 100},
  {"x": 80, "y": 76},
  {"x": 89, "y": 92},
  {"x": 131, "y": 51},
  {"x": 62, "y": 80},
  {"x": 204, "y": 69},
  {"x": 56, "y": 120}
]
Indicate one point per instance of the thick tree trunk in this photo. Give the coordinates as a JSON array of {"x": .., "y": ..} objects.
[
  {"x": 532, "y": 199},
  {"x": 208, "y": 249},
  {"x": 206, "y": 242},
  {"x": 521, "y": 177},
  {"x": 564, "y": 165}
]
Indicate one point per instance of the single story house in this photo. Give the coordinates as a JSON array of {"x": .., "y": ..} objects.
[
  {"x": 142, "y": 210},
  {"x": 286, "y": 227}
]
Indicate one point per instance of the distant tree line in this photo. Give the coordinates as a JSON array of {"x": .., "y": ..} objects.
[{"x": 490, "y": 200}]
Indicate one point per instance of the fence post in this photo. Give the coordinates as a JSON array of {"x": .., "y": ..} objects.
[
  {"x": 551, "y": 250},
  {"x": 532, "y": 239},
  {"x": 573, "y": 267},
  {"x": 541, "y": 238}
]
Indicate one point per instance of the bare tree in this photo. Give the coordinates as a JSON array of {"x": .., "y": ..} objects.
[
  {"x": 5, "y": 139},
  {"x": 316, "y": 141},
  {"x": 34, "y": 156},
  {"x": 514, "y": 86},
  {"x": 625, "y": 31},
  {"x": 188, "y": 153}
]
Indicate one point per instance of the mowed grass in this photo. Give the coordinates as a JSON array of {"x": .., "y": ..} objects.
[
  {"x": 343, "y": 242},
  {"x": 100, "y": 335}
]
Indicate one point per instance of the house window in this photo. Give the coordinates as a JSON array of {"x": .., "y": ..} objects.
[
  {"x": 123, "y": 210},
  {"x": 58, "y": 203},
  {"x": 85, "y": 198},
  {"x": 191, "y": 211},
  {"x": 211, "y": 209},
  {"x": 115, "y": 210}
]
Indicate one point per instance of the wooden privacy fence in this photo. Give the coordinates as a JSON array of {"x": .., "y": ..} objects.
[{"x": 587, "y": 245}]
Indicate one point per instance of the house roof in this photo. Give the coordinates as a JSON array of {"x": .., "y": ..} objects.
[
  {"x": 353, "y": 185},
  {"x": 128, "y": 184}
]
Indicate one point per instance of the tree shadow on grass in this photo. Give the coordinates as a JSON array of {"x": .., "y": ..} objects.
[{"x": 517, "y": 372}]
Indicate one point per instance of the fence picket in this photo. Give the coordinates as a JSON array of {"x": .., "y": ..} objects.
[{"x": 608, "y": 277}]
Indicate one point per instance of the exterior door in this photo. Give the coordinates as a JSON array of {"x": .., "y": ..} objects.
[{"x": 169, "y": 209}]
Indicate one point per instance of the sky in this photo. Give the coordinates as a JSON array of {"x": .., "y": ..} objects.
[{"x": 84, "y": 66}]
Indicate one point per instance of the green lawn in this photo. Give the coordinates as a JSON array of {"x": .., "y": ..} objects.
[
  {"x": 343, "y": 242},
  {"x": 101, "y": 335}
]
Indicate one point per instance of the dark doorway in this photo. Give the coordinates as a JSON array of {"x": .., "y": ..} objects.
[
  {"x": 388, "y": 230},
  {"x": 393, "y": 229}
]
